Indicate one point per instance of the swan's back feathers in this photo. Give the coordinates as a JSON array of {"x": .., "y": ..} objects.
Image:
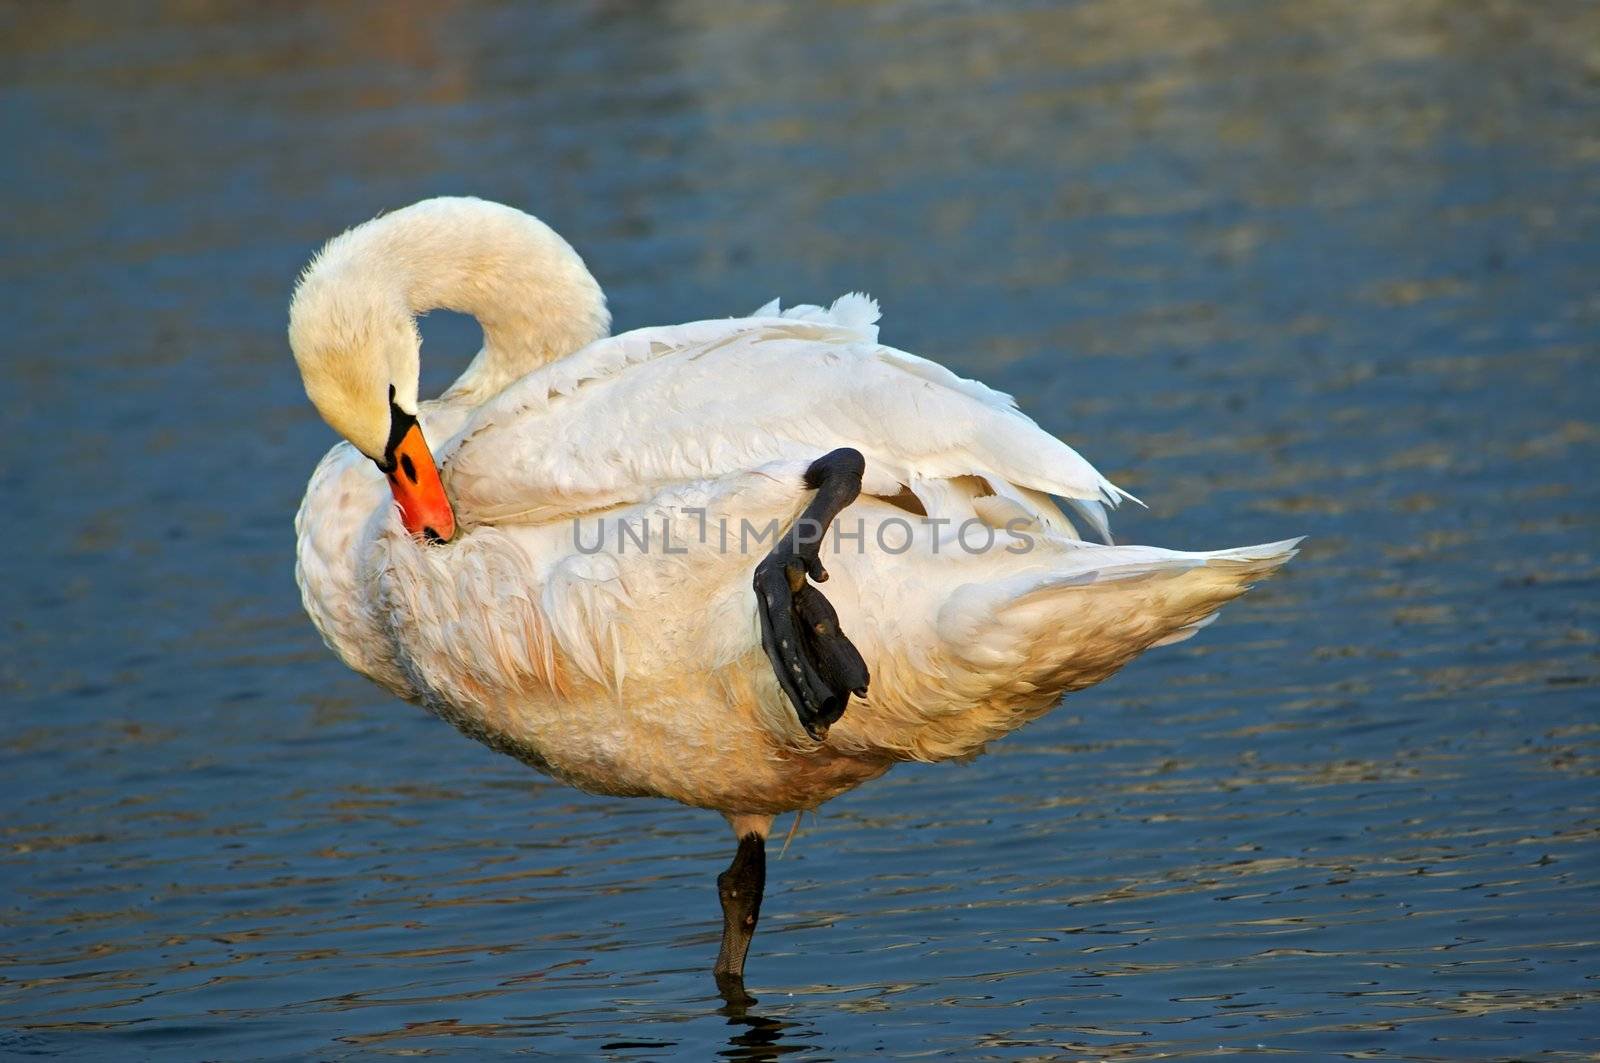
[
  {"x": 630, "y": 415},
  {"x": 854, "y": 311}
]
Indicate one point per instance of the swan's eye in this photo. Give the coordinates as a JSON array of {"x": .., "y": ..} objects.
[{"x": 409, "y": 467}]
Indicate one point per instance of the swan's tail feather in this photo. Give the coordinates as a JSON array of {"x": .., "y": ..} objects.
[
  {"x": 1009, "y": 648},
  {"x": 1184, "y": 634},
  {"x": 1109, "y": 604}
]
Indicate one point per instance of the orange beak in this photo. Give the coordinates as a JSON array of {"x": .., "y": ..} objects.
[{"x": 424, "y": 509}]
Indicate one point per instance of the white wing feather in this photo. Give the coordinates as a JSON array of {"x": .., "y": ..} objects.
[{"x": 627, "y": 416}]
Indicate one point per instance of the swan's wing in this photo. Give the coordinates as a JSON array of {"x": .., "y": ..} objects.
[{"x": 628, "y": 416}]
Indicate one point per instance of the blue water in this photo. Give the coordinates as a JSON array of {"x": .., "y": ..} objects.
[{"x": 1279, "y": 269}]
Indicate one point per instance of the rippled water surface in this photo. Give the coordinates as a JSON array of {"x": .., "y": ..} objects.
[{"x": 1279, "y": 269}]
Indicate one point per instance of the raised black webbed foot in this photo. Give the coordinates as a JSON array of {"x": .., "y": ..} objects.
[{"x": 815, "y": 663}]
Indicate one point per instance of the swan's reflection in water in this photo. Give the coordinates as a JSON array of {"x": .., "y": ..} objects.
[
  {"x": 752, "y": 1036},
  {"x": 757, "y": 1037}
]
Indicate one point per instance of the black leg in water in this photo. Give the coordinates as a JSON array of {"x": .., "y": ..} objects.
[
  {"x": 817, "y": 666},
  {"x": 740, "y": 888}
]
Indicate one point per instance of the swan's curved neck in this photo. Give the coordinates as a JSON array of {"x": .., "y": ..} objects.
[{"x": 525, "y": 285}]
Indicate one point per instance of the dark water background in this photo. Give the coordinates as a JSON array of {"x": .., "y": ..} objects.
[{"x": 1308, "y": 268}]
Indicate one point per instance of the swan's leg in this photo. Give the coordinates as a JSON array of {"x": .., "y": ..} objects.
[
  {"x": 740, "y": 889},
  {"x": 816, "y": 665}
]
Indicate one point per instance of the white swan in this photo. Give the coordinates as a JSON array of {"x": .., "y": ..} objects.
[{"x": 571, "y": 581}]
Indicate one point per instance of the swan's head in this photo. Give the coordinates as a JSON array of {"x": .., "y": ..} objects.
[
  {"x": 353, "y": 326},
  {"x": 358, "y": 350}
]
